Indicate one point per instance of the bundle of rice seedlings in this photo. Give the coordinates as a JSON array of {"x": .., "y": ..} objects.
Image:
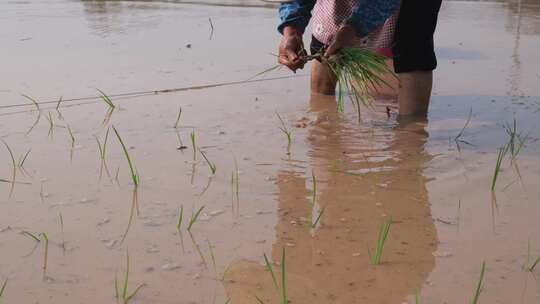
[{"x": 358, "y": 71}]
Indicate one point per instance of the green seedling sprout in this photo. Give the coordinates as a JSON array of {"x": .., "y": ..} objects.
[
  {"x": 318, "y": 218},
  {"x": 178, "y": 118},
  {"x": 71, "y": 136},
  {"x": 383, "y": 235},
  {"x": 283, "y": 295},
  {"x": 480, "y": 285},
  {"x": 287, "y": 132},
  {"x": 123, "y": 294},
  {"x": 36, "y": 104},
  {"x": 14, "y": 168},
  {"x": 211, "y": 165},
  {"x": 516, "y": 139},
  {"x": 3, "y": 287},
  {"x": 214, "y": 264},
  {"x": 103, "y": 154},
  {"x": 107, "y": 100},
  {"x": 314, "y": 184},
  {"x": 180, "y": 218},
  {"x": 61, "y": 220},
  {"x": 498, "y": 164},
  {"x": 194, "y": 218},
  {"x": 134, "y": 175},
  {"x": 51, "y": 124},
  {"x": 531, "y": 268},
  {"x": 193, "y": 143},
  {"x": 22, "y": 159},
  {"x": 458, "y": 139},
  {"x": 46, "y": 253}
]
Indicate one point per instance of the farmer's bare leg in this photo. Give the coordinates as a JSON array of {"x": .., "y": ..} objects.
[
  {"x": 322, "y": 79},
  {"x": 414, "y": 92}
]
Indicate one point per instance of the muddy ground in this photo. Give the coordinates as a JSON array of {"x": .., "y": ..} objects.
[{"x": 446, "y": 220}]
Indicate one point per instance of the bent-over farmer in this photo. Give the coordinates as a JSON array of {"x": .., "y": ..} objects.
[{"x": 402, "y": 30}]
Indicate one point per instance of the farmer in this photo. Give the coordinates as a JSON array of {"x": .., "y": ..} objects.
[{"x": 399, "y": 29}]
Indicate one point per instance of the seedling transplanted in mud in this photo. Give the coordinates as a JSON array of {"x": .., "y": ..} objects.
[
  {"x": 516, "y": 140},
  {"x": 480, "y": 285},
  {"x": 314, "y": 224},
  {"x": 36, "y": 104},
  {"x": 498, "y": 164},
  {"x": 314, "y": 184},
  {"x": 46, "y": 252},
  {"x": 458, "y": 139},
  {"x": 71, "y": 136},
  {"x": 214, "y": 263},
  {"x": 14, "y": 168},
  {"x": 283, "y": 293},
  {"x": 193, "y": 144},
  {"x": 180, "y": 218},
  {"x": 383, "y": 235},
  {"x": 123, "y": 294},
  {"x": 287, "y": 132},
  {"x": 51, "y": 124},
  {"x": 3, "y": 288},
  {"x": 134, "y": 175},
  {"x": 194, "y": 217},
  {"x": 103, "y": 154},
  {"x": 235, "y": 186},
  {"x": 107, "y": 100},
  {"x": 61, "y": 220},
  {"x": 211, "y": 165},
  {"x": 178, "y": 118}
]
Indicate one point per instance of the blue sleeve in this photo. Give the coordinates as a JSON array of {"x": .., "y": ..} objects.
[
  {"x": 296, "y": 13},
  {"x": 371, "y": 14}
]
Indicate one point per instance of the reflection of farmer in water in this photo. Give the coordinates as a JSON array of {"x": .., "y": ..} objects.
[
  {"x": 403, "y": 31},
  {"x": 364, "y": 176}
]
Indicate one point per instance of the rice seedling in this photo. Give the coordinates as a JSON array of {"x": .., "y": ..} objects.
[
  {"x": 417, "y": 297},
  {"x": 211, "y": 28},
  {"x": 458, "y": 139},
  {"x": 194, "y": 217},
  {"x": 314, "y": 185},
  {"x": 61, "y": 220},
  {"x": 180, "y": 218},
  {"x": 46, "y": 253},
  {"x": 124, "y": 294},
  {"x": 235, "y": 186},
  {"x": 14, "y": 168},
  {"x": 271, "y": 271},
  {"x": 531, "y": 268},
  {"x": 51, "y": 124},
  {"x": 193, "y": 143},
  {"x": 198, "y": 249},
  {"x": 287, "y": 132},
  {"x": 383, "y": 235},
  {"x": 498, "y": 164},
  {"x": 111, "y": 106},
  {"x": 3, "y": 287},
  {"x": 23, "y": 158},
  {"x": 134, "y": 206},
  {"x": 71, "y": 136},
  {"x": 516, "y": 139},
  {"x": 214, "y": 264},
  {"x": 314, "y": 224},
  {"x": 480, "y": 285},
  {"x": 57, "y": 108},
  {"x": 134, "y": 175},
  {"x": 103, "y": 154},
  {"x": 211, "y": 165},
  {"x": 178, "y": 118},
  {"x": 36, "y": 104},
  {"x": 31, "y": 235},
  {"x": 283, "y": 294},
  {"x": 357, "y": 70}
]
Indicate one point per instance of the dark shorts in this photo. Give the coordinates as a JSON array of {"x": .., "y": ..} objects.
[{"x": 413, "y": 40}]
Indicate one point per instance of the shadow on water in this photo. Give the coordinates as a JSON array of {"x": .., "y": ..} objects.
[{"x": 364, "y": 173}]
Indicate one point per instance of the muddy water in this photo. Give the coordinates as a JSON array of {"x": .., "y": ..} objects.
[{"x": 445, "y": 219}]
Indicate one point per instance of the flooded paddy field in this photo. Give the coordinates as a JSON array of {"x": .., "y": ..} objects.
[{"x": 72, "y": 210}]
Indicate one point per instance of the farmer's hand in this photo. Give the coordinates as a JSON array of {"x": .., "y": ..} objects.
[
  {"x": 344, "y": 38},
  {"x": 291, "y": 49}
]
